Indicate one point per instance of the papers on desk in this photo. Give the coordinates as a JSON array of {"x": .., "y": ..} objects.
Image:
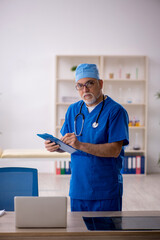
[{"x": 2, "y": 212}]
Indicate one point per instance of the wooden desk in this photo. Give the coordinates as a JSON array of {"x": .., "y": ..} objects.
[{"x": 76, "y": 229}]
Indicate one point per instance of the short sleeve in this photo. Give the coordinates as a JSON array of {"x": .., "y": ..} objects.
[
  {"x": 64, "y": 129},
  {"x": 118, "y": 126}
]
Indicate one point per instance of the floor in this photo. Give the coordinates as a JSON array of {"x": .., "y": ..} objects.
[{"x": 140, "y": 192}]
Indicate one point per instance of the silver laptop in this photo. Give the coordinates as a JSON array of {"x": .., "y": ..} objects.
[{"x": 40, "y": 212}]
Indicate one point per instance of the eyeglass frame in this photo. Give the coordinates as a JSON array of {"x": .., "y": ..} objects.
[{"x": 85, "y": 85}]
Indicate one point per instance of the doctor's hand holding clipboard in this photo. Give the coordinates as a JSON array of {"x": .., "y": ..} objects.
[
  {"x": 53, "y": 144},
  {"x": 69, "y": 139}
]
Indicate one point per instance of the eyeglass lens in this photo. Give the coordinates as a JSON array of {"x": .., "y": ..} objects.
[{"x": 88, "y": 84}]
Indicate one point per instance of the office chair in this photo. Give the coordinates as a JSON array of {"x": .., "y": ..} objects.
[{"x": 16, "y": 181}]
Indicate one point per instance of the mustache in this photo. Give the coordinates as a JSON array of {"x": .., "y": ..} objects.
[{"x": 85, "y": 94}]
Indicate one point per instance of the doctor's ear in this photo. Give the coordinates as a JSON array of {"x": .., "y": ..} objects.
[{"x": 100, "y": 83}]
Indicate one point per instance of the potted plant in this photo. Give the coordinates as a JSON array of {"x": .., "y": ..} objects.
[{"x": 73, "y": 69}]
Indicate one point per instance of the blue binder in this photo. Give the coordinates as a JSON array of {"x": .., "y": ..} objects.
[
  {"x": 125, "y": 164},
  {"x": 67, "y": 168},
  {"x": 142, "y": 164}
]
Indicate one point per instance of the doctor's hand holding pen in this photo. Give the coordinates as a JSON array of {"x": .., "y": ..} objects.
[{"x": 71, "y": 139}]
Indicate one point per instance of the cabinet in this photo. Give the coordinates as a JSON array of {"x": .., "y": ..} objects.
[{"x": 125, "y": 80}]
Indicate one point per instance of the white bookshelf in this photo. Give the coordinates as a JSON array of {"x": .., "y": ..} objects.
[{"x": 129, "y": 91}]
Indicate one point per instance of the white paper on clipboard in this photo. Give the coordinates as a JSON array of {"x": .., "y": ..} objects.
[{"x": 62, "y": 145}]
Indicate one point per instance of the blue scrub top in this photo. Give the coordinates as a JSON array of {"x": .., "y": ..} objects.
[{"x": 92, "y": 177}]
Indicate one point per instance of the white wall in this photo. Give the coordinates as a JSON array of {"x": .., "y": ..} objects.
[{"x": 32, "y": 32}]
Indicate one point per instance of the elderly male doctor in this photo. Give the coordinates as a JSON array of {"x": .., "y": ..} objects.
[{"x": 98, "y": 127}]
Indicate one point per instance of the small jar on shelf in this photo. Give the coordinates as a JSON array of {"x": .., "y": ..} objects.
[
  {"x": 111, "y": 75},
  {"x": 128, "y": 75}
]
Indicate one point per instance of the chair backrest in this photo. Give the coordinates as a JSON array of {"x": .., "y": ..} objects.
[{"x": 16, "y": 181}]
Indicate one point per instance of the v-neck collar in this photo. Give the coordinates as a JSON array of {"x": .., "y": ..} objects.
[{"x": 92, "y": 112}]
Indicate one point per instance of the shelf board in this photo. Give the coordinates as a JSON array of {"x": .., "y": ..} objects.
[
  {"x": 133, "y": 174},
  {"x": 133, "y": 104},
  {"x": 63, "y": 104},
  {"x": 135, "y": 151},
  {"x": 124, "y": 104},
  {"x": 131, "y": 127},
  {"x": 136, "y": 127},
  {"x": 106, "y": 80},
  {"x": 66, "y": 80},
  {"x": 124, "y": 80},
  {"x": 84, "y": 56}
]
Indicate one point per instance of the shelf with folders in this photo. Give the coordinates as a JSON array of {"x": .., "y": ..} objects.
[
  {"x": 125, "y": 81},
  {"x": 135, "y": 153}
]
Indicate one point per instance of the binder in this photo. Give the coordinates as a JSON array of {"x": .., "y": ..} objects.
[
  {"x": 67, "y": 168},
  {"x": 129, "y": 171},
  {"x": 62, "y": 167},
  {"x": 138, "y": 164},
  {"x": 133, "y": 165},
  {"x": 125, "y": 164},
  {"x": 142, "y": 164},
  {"x": 58, "y": 167}
]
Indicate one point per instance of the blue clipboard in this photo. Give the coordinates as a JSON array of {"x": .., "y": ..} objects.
[{"x": 62, "y": 145}]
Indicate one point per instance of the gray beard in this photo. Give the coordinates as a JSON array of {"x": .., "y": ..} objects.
[{"x": 94, "y": 99}]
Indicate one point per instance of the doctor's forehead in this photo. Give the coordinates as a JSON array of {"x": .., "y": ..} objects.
[{"x": 84, "y": 80}]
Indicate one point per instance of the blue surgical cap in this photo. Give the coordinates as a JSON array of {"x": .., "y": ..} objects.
[{"x": 86, "y": 70}]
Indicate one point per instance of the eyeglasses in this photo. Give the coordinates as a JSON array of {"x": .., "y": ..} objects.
[{"x": 88, "y": 84}]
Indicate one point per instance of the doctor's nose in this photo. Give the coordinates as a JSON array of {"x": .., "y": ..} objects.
[{"x": 85, "y": 88}]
